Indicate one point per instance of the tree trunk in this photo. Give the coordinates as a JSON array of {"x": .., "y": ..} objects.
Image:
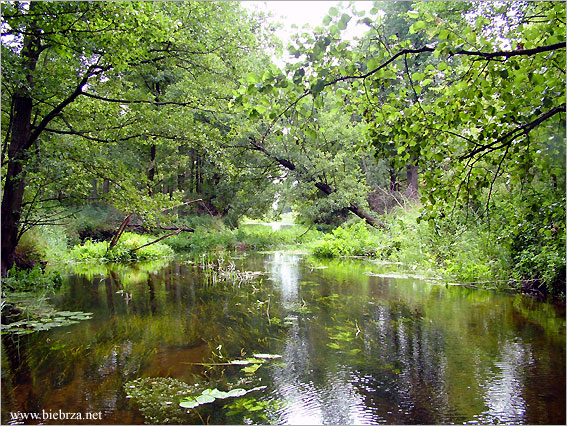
[
  {"x": 20, "y": 143},
  {"x": 324, "y": 187},
  {"x": 14, "y": 185},
  {"x": 152, "y": 170},
  {"x": 412, "y": 186},
  {"x": 192, "y": 170},
  {"x": 198, "y": 174},
  {"x": 105, "y": 186},
  {"x": 94, "y": 192},
  {"x": 393, "y": 179}
]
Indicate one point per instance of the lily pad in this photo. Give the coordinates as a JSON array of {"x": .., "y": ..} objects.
[
  {"x": 237, "y": 392},
  {"x": 205, "y": 399},
  {"x": 189, "y": 404},
  {"x": 211, "y": 395}
]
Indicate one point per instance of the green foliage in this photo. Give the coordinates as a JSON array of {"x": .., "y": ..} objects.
[
  {"x": 58, "y": 319},
  {"x": 210, "y": 395},
  {"x": 158, "y": 398},
  {"x": 531, "y": 224},
  {"x": 31, "y": 280},
  {"x": 246, "y": 237},
  {"x": 124, "y": 251},
  {"x": 168, "y": 400},
  {"x": 23, "y": 313},
  {"x": 96, "y": 223},
  {"x": 508, "y": 255},
  {"x": 351, "y": 240}
]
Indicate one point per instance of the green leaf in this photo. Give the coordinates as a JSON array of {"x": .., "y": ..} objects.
[
  {"x": 413, "y": 14},
  {"x": 372, "y": 64},
  {"x": 417, "y": 76},
  {"x": 205, "y": 399},
  {"x": 342, "y": 25},
  {"x": 443, "y": 34},
  {"x": 234, "y": 393},
  {"x": 217, "y": 393},
  {"x": 317, "y": 87},
  {"x": 417, "y": 26},
  {"x": 189, "y": 404},
  {"x": 333, "y": 11},
  {"x": 252, "y": 78},
  {"x": 251, "y": 369}
]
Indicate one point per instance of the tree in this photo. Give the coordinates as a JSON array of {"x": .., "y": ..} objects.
[
  {"x": 456, "y": 127},
  {"x": 72, "y": 79}
]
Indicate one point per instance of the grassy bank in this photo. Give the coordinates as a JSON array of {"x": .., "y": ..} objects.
[
  {"x": 455, "y": 250},
  {"x": 451, "y": 248}
]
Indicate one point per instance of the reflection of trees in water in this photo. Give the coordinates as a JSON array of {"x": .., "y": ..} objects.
[
  {"x": 406, "y": 378},
  {"x": 18, "y": 392},
  {"x": 83, "y": 367},
  {"x": 359, "y": 352},
  {"x": 426, "y": 356}
]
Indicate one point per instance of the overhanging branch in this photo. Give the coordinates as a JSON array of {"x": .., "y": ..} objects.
[{"x": 509, "y": 137}]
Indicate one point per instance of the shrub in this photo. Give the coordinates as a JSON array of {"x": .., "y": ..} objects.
[
  {"x": 351, "y": 240},
  {"x": 124, "y": 251},
  {"x": 34, "y": 279}
]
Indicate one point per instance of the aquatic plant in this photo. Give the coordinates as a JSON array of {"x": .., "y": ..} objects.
[
  {"x": 169, "y": 401},
  {"x": 35, "y": 279},
  {"x": 211, "y": 395},
  {"x": 25, "y": 314}
]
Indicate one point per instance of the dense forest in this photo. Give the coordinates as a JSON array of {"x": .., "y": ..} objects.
[{"x": 437, "y": 137}]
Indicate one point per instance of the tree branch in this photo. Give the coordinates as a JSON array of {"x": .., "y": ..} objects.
[
  {"x": 71, "y": 98},
  {"x": 509, "y": 137},
  {"x": 511, "y": 53}
]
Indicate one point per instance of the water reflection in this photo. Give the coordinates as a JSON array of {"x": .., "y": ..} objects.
[
  {"x": 284, "y": 270},
  {"x": 503, "y": 395},
  {"x": 356, "y": 349}
]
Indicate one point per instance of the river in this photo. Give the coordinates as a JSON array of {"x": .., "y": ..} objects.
[{"x": 345, "y": 344}]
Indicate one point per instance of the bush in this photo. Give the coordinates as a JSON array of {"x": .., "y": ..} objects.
[
  {"x": 254, "y": 237},
  {"x": 124, "y": 251},
  {"x": 351, "y": 240},
  {"x": 520, "y": 246},
  {"x": 40, "y": 245},
  {"x": 34, "y": 279}
]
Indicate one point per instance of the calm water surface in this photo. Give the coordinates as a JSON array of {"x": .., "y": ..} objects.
[{"x": 355, "y": 348}]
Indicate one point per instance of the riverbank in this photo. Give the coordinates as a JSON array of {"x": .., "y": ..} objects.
[{"x": 450, "y": 248}]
